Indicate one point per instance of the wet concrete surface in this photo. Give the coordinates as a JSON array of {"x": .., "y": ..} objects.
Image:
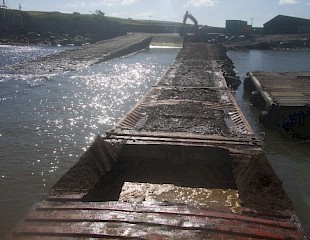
[{"x": 81, "y": 57}]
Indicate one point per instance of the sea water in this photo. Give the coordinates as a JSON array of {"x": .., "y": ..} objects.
[
  {"x": 288, "y": 157},
  {"x": 47, "y": 122}
]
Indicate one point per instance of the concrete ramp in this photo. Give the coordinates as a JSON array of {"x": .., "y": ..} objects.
[{"x": 167, "y": 40}]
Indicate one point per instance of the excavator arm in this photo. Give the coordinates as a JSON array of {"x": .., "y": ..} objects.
[{"x": 191, "y": 17}]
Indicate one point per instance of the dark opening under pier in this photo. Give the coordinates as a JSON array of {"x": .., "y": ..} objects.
[{"x": 183, "y": 163}]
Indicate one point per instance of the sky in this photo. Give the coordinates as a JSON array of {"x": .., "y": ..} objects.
[{"x": 207, "y": 12}]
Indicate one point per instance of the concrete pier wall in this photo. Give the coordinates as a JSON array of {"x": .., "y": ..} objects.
[{"x": 81, "y": 57}]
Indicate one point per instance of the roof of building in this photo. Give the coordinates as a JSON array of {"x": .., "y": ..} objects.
[{"x": 283, "y": 17}]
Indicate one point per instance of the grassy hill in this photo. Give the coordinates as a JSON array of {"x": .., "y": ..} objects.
[
  {"x": 29, "y": 27},
  {"x": 56, "y": 27}
]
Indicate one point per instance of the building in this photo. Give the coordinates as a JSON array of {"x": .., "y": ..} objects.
[
  {"x": 287, "y": 25},
  {"x": 238, "y": 27}
]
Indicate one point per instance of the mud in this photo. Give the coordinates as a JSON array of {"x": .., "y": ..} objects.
[
  {"x": 188, "y": 77},
  {"x": 258, "y": 186},
  {"x": 96, "y": 162},
  {"x": 185, "y": 117},
  {"x": 193, "y": 94},
  {"x": 191, "y": 97}
]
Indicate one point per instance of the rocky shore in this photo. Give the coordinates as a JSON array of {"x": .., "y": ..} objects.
[
  {"x": 55, "y": 39},
  {"x": 267, "y": 42}
]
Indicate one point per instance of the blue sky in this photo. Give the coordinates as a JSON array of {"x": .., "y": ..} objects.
[{"x": 207, "y": 12}]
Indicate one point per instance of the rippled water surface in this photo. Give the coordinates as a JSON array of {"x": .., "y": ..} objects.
[
  {"x": 220, "y": 199},
  {"x": 289, "y": 159},
  {"x": 47, "y": 122},
  {"x": 13, "y": 54}
]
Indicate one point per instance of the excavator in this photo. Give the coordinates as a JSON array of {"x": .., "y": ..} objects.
[{"x": 191, "y": 17}]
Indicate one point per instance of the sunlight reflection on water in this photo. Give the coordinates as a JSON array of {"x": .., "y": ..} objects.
[{"x": 44, "y": 128}]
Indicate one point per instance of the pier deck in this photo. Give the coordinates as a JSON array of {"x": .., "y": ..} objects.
[
  {"x": 286, "y": 99},
  {"x": 191, "y": 102},
  {"x": 188, "y": 132},
  {"x": 283, "y": 89}
]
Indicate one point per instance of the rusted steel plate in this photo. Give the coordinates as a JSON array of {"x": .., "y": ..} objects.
[
  {"x": 161, "y": 219},
  {"x": 66, "y": 197},
  {"x": 124, "y": 220},
  {"x": 117, "y": 231},
  {"x": 153, "y": 208}
]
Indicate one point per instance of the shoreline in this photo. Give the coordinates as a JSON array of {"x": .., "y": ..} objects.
[{"x": 268, "y": 42}]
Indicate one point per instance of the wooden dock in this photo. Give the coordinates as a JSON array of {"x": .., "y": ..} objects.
[
  {"x": 286, "y": 99},
  {"x": 188, "y": 132}
]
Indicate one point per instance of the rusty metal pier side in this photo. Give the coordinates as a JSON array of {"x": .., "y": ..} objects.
[{"x": 186, "y": 132}]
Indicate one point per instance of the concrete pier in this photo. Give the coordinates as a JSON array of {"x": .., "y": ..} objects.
[
  {"x": 285, "y": 100},
  {"x": 186, "y": 135},
  {"x": 81, "y": 57}
]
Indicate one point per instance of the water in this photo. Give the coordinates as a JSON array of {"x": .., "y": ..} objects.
[
  {"x": 226, "y": 200},
  {"x": 289, "y": 158},
  {"x": 47, "y": 123},
  {"x": 14, "y": 54}
]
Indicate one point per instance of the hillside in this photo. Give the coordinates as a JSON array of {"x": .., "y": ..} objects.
[{"x": 55, "y": 27}]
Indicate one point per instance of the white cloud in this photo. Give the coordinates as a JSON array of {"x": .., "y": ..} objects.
[
  {"x": 286, "y": 2},
  {"x": 201, "y": 3},
  {"x": 108, "y": 3},
  {"x": 111, "y": 3},
  {"x": 128, "y": 2},
  {"x": 76, "y": 5}
]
